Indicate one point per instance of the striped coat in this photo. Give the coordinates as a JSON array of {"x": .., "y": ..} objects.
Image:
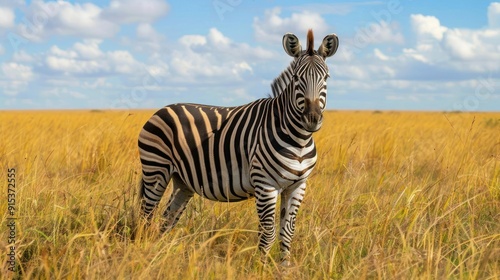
[{"x": 263, "y": 149}]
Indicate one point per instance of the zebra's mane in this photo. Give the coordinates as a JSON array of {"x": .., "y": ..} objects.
[{"x": 280, "y": 84}]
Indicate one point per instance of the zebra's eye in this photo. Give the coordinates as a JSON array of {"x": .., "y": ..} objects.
[
  {"x": 295, "y": 78},
  {"x": 327, "y": 76}
]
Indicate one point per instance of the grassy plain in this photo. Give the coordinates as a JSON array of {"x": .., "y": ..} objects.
[{"x": 395, "y": 195}]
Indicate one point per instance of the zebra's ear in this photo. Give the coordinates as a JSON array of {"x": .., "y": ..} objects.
[
  {"x": 291, "y": 45},
  {"x": 329, "y": 46}
]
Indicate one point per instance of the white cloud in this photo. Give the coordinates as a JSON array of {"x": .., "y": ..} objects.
[
  {"x": 217, "y": 38},
  {"x": 159, "y": 70},
  {"x": 427, "y": 27},
  {"x": 389, "y": 33},
  {"x": 72, "y": 66},
  {"x": 473, "y": 50},
  {"x": 61, "y": 92},
  {"x": 145, "y": 30},
  {"x": 381, "y": 32},
  {"x": 22, "y": 56},
  {"x": 89, "y": 49},
  {"x": 63, "y": 19},
  {"x": 148, "y": 39},
  {"x": 373, "y": 33},
  {"x": 494, "y": 15},
  {"x": 351, "y": 72},
  {"x": 86, "y": 58},
  {"x": 378, "y": 54},
  {"x": 98, "y": 83},
  {"x": 193, "y": 40},
  {"x": 85, "y": 20},
  {"x": 7, "y": 17},
  {"x": 16, "y": 71},
  {"x": 131, "y": 11},
  {"x": 55, "y": 50},
  {"x": 419, "y": 53},
  {"x": 272, "y": 26},
  {"x": 15, "y": 77},
  {"x": 458, "y": 45},
  {"x": 367, "y": 70},
  {"x": 441, "y": 67},
  {"x": 238, "y": 95},
  {"x": 214, "y": 55},
  {"x": 477, "y": 50},
  {"x": 122, "y": 62},
  {"x": 63, "y": 81}
]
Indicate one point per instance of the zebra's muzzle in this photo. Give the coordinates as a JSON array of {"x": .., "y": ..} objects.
[{"x": 312, "y": 118}]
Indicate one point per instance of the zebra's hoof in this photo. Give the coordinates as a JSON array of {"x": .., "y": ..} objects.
[{"x": 286, "y": 262}]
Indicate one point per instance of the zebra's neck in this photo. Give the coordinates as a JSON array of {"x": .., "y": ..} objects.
[{"x": 286, "y": 113}]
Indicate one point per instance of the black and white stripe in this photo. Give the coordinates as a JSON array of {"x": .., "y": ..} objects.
[{"x": 263, "y": 149}]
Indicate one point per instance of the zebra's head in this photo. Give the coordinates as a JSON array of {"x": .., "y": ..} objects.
[{"x": 310, "y": 73}]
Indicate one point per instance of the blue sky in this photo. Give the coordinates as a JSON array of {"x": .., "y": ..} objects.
[{"x": 393, "y": 54}]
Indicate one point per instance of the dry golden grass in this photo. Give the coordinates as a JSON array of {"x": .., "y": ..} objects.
[{"x": 394, "y": 196}]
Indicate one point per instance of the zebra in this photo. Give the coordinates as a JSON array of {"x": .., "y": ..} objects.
[{"x": 263, "y": 149}]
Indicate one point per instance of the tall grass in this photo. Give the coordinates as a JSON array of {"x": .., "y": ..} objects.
[{"x": 394, "y": 196}]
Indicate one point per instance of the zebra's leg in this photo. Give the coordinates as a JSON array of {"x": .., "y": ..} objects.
[
  {"x": 265, "y": 199},
  {"x": 290, "y": 202},
  {"x": 181, "y": 194},
  {"x": 153, "y": 185}
]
